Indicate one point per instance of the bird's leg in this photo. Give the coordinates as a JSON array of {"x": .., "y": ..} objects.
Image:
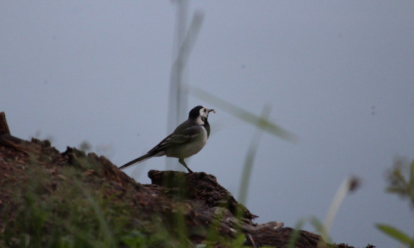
[{"x": 181, "y": 160}]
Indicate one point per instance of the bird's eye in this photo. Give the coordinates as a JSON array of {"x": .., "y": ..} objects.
[{"x": 204, "y": 110}]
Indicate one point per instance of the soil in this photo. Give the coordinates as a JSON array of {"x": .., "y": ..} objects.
[{"x": 201, "y": 202}]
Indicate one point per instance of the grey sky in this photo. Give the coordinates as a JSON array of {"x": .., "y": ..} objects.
[{"x": 338, "y": 74}]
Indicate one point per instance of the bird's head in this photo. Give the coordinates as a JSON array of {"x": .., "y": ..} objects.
[{"x": 200, "y": 114}]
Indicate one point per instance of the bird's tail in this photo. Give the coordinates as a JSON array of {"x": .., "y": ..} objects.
[{"x": 137, "y": 160}]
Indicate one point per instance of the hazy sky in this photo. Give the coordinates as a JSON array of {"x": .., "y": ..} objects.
[{"x": 338, "y": 74}]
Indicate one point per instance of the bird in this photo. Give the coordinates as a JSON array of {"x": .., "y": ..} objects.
[{"x": 186, "y": 140}]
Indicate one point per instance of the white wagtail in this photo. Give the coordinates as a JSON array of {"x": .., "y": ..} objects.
[{"x": 186, "y": 140}]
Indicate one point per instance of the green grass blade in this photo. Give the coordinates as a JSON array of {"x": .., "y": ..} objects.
[
  {"x": 294, "y": 236},
  {"x": 411, "y": 182},
  {"x": 249, "y": 161},
  {"x": 243, "y": 114},
  {"x": 395, "y": 234},
  {"x": 106, "y": 231}
]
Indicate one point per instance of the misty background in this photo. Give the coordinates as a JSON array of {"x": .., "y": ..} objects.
[{"x": 337, "y": 74}]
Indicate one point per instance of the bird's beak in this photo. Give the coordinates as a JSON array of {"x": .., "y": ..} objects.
[{"x": 211, "y": 110}]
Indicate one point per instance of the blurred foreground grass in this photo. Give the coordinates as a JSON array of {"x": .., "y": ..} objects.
[
  {"x": 400, "y": 182},
  {"x": 74, "y": 210}
]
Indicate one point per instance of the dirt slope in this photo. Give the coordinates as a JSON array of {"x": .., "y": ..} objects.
[{"x": 70, "y": 199}]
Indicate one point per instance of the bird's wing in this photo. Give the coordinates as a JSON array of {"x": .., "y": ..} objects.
[{"x": 179, "y": 137}]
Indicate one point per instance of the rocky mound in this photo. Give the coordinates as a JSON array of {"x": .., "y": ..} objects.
[{"x": 73, "y": 199}]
